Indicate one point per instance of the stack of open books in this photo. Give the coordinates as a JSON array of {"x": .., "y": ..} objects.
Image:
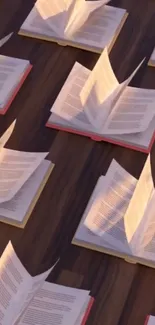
[
  {"x": 119, "y": 217},
  {"x": 90, "y": 25},
  {"x": 23, "y": 176},
  {"x": 94, "y": 104},
  {"x": 26, "y": 300}
]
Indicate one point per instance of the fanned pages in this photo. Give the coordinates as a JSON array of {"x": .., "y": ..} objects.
[
  {"x": 5, "y": 39},
  {"x": 151, "y": 62},
  {"x": 25, "y": 297},
  {"x": 119, "y": 217},
  {"x": 94, "y": 104},
  {"x": 91, "y": 25},
  {"x": 5, "y": 137},
  {"x": 18, "y": 286},
  {"x": 13, "y": 72},
  {"x": 23, "y": 177}
]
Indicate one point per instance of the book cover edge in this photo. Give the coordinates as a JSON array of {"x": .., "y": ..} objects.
[
  {"x": 98, "y": 138},
  {"x": 17, "y": 89},
  {"x": 88, "y": 309}
]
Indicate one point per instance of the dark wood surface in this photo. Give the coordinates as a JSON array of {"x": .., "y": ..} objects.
[{"x": 124, "y": 293}]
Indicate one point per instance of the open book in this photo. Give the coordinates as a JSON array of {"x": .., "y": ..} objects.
[
  {"x": 30, "y": 300},
  {"x": 94, "y": 104},
  {"x": 23, "y": 176},
  {"x": 151, "y": 62},
  {"x": 13, "y": 72},
  {"x": 119, "y": 217},
  {"x": 89, "y": 25},
  {"x": 150, "y": 320}
]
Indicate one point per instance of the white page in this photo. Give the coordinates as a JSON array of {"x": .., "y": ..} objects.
[
  {"x": 5, "y": 39},
  {"x": 15, "y": 282},
  {"x": 68, "y": 103},
  {"x": 152, "y": 58},
  {"x": 146, "y": 239},
  {"x": 15, "y": 169},
  {"x": 99, "y": 31},
  {"x": 16, "y": 209},
  {"x": 102, "y": 91},
  {"x": 99, "y": 91},
  {"x": 133, "y": 112},
  {"x": 54, "y": 12},
  {"x": 80, "y": 15},
  {"x": 138, "y": 204},
  {"x": 89, "y": 239},
  {"x": 106, "y": 216},
  {"x": 36, "y": 283},
  {"x": 11, "y": 71},
  {"x": 7, "y": 134},
  {"x": 17, "y": 287},
  {"x": 55, "y": 304}
]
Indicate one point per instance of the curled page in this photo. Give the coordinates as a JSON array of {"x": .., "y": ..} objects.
[
  {"x": 99, "y": 91},
  {"x": 5, "y": 39},
  {"x": 54, "y": 12},
  {"x": 15, "y": 169},
  {"x": 102, "y": 92},
  {"x": 80, "y": 14},
  {"x": 11, "y": 71},
  {"x": 7, "y": 134},
  {"x": 106, "y": 215},
  {"x": 133, "y": 113},
  {"x": 138, "y": 204},
  {"x": 17, "y": 287}
]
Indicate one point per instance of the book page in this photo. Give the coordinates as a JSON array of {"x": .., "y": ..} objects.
[
  {"x": 86, "y": 238},
  {"x": 105, "y": 217},
  {"x": 80, "y": 15},
  {"x": 15, "y": 282},
  {"x": 16, "y": 209},
  {"x": 68, "y": 104},
  {"x": 133, "y": 113},
  {"x": 55, "y": 304},
  {"x": 36, "y": 283},
  {"x": 102, "y": 91},
  {"x": 7, "y": 134},
  {"x": 146, "y": 231},
  {"x": 17, "y": 287},
  {"x": 5, "y": 39},
  {"x": 11, "y": 71},
  {"x": 138, "y": 204},
  {"x": 99, "y": 91},
  {"x": 101, "y": 27},
  {"x": 15, "y": 169},
  {"x": 54, "y": 13}
]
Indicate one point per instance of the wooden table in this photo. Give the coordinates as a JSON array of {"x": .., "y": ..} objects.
[{"x": 124, "y": 292}]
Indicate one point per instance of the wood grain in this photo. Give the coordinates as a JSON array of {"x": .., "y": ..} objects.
[{"x": 124, "y": 293}]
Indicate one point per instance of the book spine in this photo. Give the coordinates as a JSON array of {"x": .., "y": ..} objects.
[{"x": 87, "y": 311}]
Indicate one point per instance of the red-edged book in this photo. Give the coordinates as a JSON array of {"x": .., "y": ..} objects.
[
  {"x": 94, "y": 104},
  {"x": 150, "y": 320},
  {"x": 13, "y": 72}
]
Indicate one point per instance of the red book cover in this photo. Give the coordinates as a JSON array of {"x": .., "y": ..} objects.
[
  {"x": 98, "y": 138},
  {"x": 9, "y": 102},
  {"x": 90, "y": 304}
]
